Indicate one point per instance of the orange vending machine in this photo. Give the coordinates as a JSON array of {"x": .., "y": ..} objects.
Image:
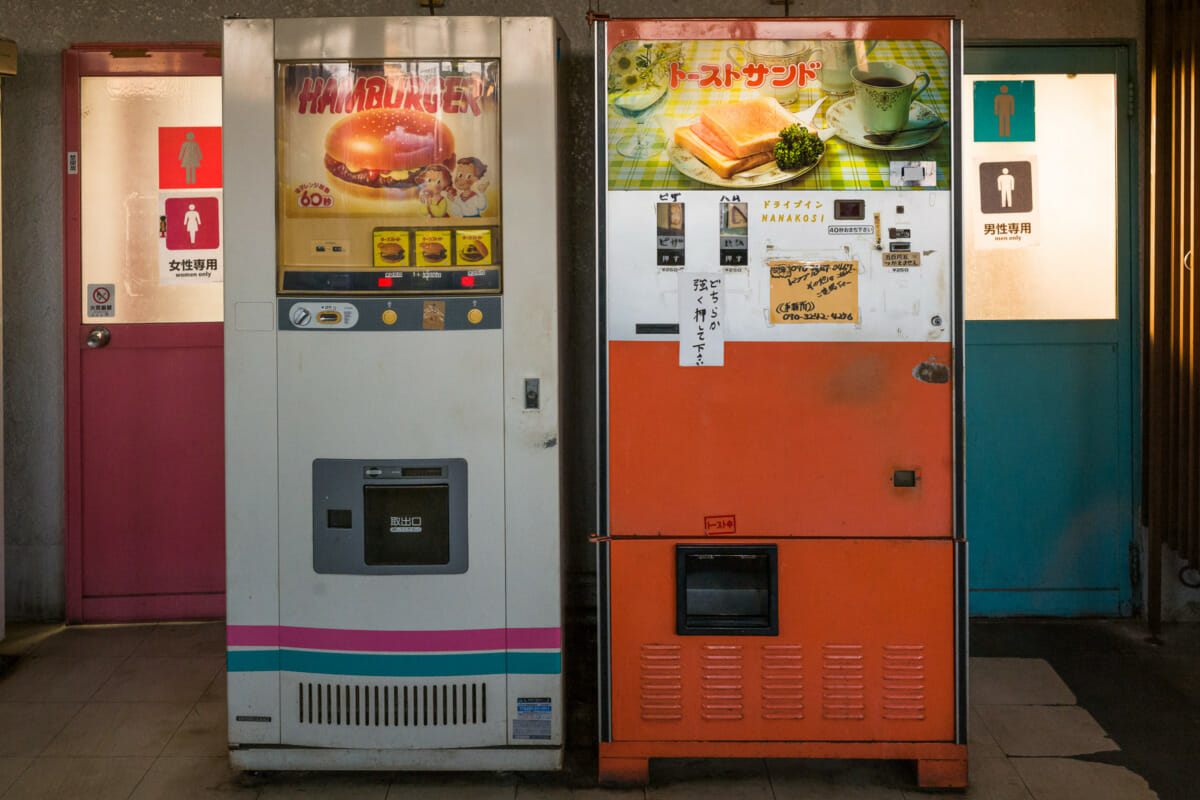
[{"x": 781, "y": 564}]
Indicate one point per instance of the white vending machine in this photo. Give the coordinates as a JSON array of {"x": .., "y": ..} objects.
[{"x": 392, "y": 392}]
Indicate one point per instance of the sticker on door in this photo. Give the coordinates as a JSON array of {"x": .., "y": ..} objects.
[{"x": 100, "y": 299}]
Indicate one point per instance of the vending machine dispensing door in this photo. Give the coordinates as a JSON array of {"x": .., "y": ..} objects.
[
  {"x": 393, "y": 501},
  {"x": 781, "y": 562}
]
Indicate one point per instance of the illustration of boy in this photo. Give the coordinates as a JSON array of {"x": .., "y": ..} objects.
[
  {"x": 466, "y": 196},
  {"x": 435, "y": 181}
]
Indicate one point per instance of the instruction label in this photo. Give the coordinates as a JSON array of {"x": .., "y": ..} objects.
[
  {"x": 533, "y": 718},
  {"x": 720, "y": 525},
  {"x": 893, "y": 260},
  {"x": 701, "y": 319},
  {"x": 814, "y": 291}
]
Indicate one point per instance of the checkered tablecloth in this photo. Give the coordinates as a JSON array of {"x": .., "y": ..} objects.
[{"x": 843, "y": 165}]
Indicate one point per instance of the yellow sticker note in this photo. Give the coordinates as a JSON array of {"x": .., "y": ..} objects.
[
  {"x": 391, "y": 248},
  {"x": 813, "y": 291}
]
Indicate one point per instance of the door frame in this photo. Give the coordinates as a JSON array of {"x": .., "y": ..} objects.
[
  {"x": 1120, "y": 58},
  {"x": 80, "y": 61}
]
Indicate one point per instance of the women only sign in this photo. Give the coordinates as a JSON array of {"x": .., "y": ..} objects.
[{"x": 189, "y": 204}]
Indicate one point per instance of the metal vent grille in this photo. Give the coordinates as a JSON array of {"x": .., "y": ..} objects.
[
  {"x": 722, "y": 685},
  {"x": 782, "y": 681},
  {"x": 662, "y": 683},
  {"x": 392, "y": 706},
  {"x": 904, "y": 681},
  {"x": 843, "y": 688}
]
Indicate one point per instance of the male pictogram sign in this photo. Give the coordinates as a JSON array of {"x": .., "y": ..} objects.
[{"x": 1005, "y": 111}]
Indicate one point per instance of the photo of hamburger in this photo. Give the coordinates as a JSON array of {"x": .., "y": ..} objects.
[
  {"x": 433, "y": 251},
  {"x": 391, "y": 252},
  {"x": 474, "y": 252},
  {"x": 387, "y": 148}
]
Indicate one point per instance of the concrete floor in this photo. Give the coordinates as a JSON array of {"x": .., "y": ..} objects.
[{"x": 1060, "y": 711}]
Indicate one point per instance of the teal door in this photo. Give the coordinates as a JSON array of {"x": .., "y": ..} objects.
[{"x": 1049, "y": 243}]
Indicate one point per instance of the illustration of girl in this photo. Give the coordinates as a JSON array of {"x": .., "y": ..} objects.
[{"x": 435, "y": 180}]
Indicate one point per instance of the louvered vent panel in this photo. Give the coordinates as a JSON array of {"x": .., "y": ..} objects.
[
  {"x": 843, "y": 684},
  {"x": 782, "y": 681},
  {"x": 392, "y": 705},
  {"x": 662, "y": 682},
  {"x": 722, "y": 682},
  {"x": 904, "y": 681}
]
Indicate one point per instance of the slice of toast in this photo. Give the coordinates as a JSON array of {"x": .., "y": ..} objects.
[
  {"x": 693, "y": 139},
  {"x": 748, "y": 127}
]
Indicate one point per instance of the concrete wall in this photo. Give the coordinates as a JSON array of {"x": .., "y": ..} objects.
[{"x": 32, "y": 208}]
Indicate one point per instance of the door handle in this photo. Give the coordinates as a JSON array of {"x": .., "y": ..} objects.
[{"x": 98, "y": 337}]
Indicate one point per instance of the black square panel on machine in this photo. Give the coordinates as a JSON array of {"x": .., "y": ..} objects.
[{"x": 406, "y": 524}]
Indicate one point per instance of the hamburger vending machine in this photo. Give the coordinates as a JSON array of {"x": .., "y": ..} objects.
[
  {"x": 392, "y": 390},
  {"x": 781, "y": 566}
]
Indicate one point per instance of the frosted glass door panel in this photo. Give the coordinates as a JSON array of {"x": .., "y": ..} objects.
[
  {"x": 1069, "y": 270},
  {"x": 122, "y": 235}
]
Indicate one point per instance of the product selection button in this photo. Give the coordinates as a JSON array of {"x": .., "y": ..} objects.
[
  {"x": 474, "y": 316},
  {"x": 389, "y": 317}
]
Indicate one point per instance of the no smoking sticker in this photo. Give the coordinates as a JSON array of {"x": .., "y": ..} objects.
[{"x": 100, "y": 299}]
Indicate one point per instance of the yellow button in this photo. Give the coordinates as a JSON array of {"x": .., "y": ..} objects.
[
  {"x": 389, "y": 317},
  {"x": 474, "y": 316}
]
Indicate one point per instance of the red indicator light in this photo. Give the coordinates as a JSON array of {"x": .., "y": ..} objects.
[
  {"x": 468, "y": 280},
  {"x": 385, "y": 282}
]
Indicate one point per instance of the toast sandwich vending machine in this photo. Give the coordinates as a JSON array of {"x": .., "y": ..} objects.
[
  {"x": 392, "y": 390},
  {"x": 781, "y": 565}
]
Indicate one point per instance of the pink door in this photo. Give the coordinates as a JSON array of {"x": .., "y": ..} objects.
[{"x": 143, "y": 340}]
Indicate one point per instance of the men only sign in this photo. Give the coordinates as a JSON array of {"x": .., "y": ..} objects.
[
  {"x": 1007, "y": 213},
  {"x": 189, "y": 205}
]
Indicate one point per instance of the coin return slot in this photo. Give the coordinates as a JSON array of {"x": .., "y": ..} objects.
[
  {"x": 421, "y": 472},
  {"x": 329, "y": 317},
  {"x": 661, "y": 328}
]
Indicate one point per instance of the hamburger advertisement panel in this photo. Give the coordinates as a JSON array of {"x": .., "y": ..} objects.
[
  {"x": 762, "y": 110},
  {"x": 397, "y": 145}
]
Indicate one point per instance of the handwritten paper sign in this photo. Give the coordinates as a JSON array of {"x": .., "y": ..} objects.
[
  {"x": 813, "y": 291},
  {"x": 701, "y": 319}
]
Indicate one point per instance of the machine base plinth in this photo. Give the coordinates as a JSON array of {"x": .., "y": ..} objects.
[
  {"x": 624, "y": 771},
  {"x": 942, "y": 773},
  {"x": 939, "y": 765},
  {"x": 283, "y": 759}
]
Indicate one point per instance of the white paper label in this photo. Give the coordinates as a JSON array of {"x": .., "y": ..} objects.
[{"x": 701, "y": 319}]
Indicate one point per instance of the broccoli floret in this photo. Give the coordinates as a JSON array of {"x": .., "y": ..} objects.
[{"x": 797, "y": 148}]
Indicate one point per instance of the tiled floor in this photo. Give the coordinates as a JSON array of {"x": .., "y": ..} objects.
[{"x": 139, "y": 712}]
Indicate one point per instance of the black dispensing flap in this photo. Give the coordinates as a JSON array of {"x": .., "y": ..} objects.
[
  {"x": 406, "y": 525},
  {"x": 730, "y": 590}
]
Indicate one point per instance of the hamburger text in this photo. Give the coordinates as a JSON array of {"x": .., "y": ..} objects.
[{"x": 450, "y": 95}]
